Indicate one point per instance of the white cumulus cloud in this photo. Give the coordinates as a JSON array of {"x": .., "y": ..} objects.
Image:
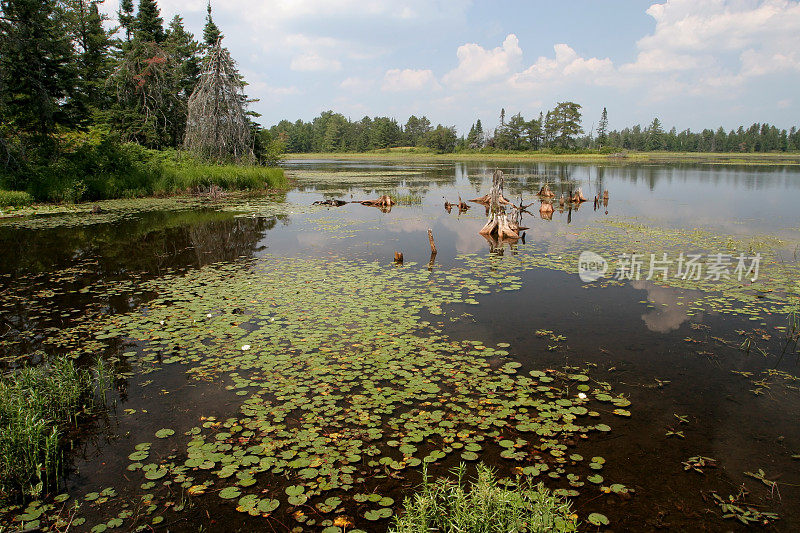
[
  {"x": 476, "y": 64},
  {"x": 408, "y": 80}
]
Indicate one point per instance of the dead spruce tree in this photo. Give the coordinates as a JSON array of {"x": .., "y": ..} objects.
[{"x": 217, "y": 127}]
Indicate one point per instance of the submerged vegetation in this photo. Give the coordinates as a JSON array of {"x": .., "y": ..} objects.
[
  {"x": 484, "y": 506},
  {"x": 38, "y": 405}
]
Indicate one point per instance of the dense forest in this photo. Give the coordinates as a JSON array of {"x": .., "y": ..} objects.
[
  {"x": 91, "y": 110},
  {"x": 556, "y": 130}
]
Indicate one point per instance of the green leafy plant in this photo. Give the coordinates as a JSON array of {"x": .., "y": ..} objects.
[{"x": 484, "y": 505}]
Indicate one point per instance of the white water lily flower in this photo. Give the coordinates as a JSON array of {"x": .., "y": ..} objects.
[
  {"x": 245, "y": 347},
  {"x": 582, "y": 395}
]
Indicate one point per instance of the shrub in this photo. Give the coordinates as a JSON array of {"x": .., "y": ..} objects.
[
  {"x": 15, "y": 198},
  {"x": 448, "y": 506}
]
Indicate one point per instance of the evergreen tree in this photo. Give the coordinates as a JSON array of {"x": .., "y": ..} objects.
[
  {"x": 127, "y": 20},
  {"x": 183, "y": 48},
  {"x": 211, "y": 33},
  {"x": 37, "y": 74},
  {"x": 565, "y": 123},
  {"x": 602, "y": 128},
  {"x": 149, "y": 24},
  {"x": 93, "y": 44},
  {"x": 655, "y": 136}
]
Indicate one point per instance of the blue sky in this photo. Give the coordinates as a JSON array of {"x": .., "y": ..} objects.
[{"x": 692, "y": 63}]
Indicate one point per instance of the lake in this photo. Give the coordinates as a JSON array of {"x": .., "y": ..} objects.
[{"x": 276, "y": 369}]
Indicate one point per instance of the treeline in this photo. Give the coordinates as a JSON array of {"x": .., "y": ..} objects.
[
  {"x": 555, "y": 130},
  {"x": 333, "y": 132},
  {"x": 77, "y": 97}
]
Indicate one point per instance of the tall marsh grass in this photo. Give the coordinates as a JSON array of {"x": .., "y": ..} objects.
[
  {"x": 37, "y": 405},
  {"x": 449, "y": 506}
]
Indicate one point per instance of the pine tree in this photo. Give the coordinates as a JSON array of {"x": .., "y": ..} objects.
[
  {"x": 37, "y": 74},
  {"x": 149, "y": 24},
  {"x": 184, "y": 50},
  {"x": 602, "y": 128},
  {"x": 126, "y": 18},
  {"x": 211, "y": 33},
  {"x": 92, "y": 43}
]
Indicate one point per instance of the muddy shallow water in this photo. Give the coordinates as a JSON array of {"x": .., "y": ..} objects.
[{"x": 675, "y": 369}]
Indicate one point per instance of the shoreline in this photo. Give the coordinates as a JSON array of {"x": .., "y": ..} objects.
[{"x": 716, "y": 158}]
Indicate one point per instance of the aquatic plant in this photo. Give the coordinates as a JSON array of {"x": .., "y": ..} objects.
[
  {"x": 451, "y": 506},
  {"x": 36, "y": 405}
]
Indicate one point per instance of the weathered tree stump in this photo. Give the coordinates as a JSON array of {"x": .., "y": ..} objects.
[
  {"x": 545, "y": 192},
  {"x": 398, "y": 257},
  {"x": 383, "y": 201},
  {"x": 546, "y": 211}
]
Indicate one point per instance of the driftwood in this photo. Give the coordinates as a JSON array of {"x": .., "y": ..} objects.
[
  {"x": 462, "y": 207},
  {"x": 383, "y": 201},
  {"x": 545, "y": 192},
  {"x": 487, "y": 200},
  {"x": 332, "y": 203},
  {"x": 430, "y": 241}
]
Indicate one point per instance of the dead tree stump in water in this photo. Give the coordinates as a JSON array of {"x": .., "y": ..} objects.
[{"x": 499, "y": 224}]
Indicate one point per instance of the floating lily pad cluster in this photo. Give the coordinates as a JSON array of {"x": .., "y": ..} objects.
[{"x": 342, "y": 380}]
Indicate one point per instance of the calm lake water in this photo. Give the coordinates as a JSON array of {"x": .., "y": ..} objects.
[{"x": 708, "y": 369}]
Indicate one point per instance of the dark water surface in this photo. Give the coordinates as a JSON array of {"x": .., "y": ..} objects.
[{"x": 641, "y": 337}]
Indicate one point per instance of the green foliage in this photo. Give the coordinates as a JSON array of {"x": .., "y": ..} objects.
[
  {"x": 37, "y": 73},
  {"x": 442, "y": 139},
  {"x": 485, "y": 506},
  {"x": 149, "y": 25},
  {"x": 36, "y": 404},
  {"x": 96, "y": 165},
  {"x": 211, "y": 32},
  {"x": 15, "y": 198}
]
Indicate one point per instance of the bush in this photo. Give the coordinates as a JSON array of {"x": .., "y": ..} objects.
[
  {"x": 448, "y": 506},
  {"x": 15, "y": 198},
  {"x": 96, "y": 166}
]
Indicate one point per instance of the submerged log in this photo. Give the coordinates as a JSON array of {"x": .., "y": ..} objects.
[
  {"x": 487, "y": 200},
  {"x": 383, "y": 201},
  {"x": 332, "y": 203}
]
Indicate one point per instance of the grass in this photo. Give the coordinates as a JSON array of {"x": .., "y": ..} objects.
[
  {"x": 37, "y": 404},
  {"x": 419, "y": 154},
  {"x": 189, "y": 174},
  {"x": 15, "y": 198},
  {"x": 449, "y": 506}
]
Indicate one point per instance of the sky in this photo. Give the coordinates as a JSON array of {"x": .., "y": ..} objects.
[{"x": 691, "y": 63}]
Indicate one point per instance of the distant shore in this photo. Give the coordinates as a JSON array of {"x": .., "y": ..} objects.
[{"x": 723, "y": 158}]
